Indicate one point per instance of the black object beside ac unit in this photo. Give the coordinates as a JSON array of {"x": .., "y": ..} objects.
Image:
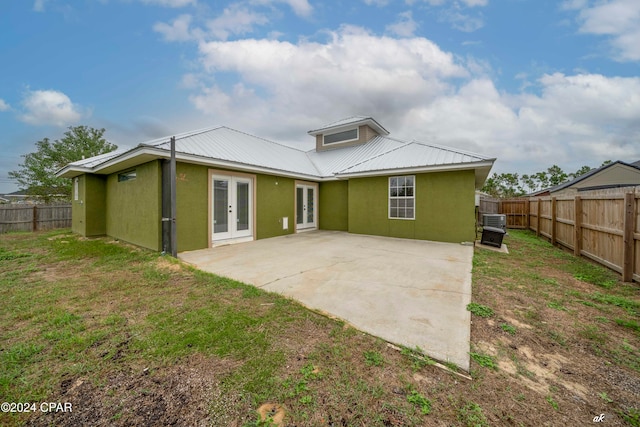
[{"x": 492, "y": 236}]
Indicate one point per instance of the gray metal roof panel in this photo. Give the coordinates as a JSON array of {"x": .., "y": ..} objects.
[
  {"x": 331, "y": 161},
  {"x": 96, "y": 160},
  {"x": 414, "y": 155},
  {"x": 227, "y": 144}
]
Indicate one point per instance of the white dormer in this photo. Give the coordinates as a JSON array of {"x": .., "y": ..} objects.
[{"x": 347, "y": 132}]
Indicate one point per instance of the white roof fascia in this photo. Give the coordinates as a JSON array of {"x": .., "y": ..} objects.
[
  {"x": 453, "y": 150},
  {"x": 206, "y": 161},
  {"x": 419, "y": 169},
  {"x": 72, "y": 171}
]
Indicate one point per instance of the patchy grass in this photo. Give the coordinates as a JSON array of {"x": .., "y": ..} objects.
[
  {"x": 132, "y": 338},
  {"x": 480, "y": 310}
]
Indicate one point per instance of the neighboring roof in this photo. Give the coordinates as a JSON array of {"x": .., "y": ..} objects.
[
  {"x": 350, "y": 122},
  {"x": 225, "y": 147},
  {"x": 592, "y": 172}
]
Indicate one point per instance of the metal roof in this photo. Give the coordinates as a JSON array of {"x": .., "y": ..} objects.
[
  {"x": 223, "y": 143},
  {"x": 227, "y": 147},
  {"x": 331, "y": 161},
  {"x": 99, "y": 159},
  {"x": 413, "y": 155}
]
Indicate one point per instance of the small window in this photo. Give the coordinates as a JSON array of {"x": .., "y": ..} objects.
[
  {"x": 347, "y": 135},
  {"x": 402, "y": 197},
  {"x": 76, "y": 190},
  {"x": 127, "y": 176}
]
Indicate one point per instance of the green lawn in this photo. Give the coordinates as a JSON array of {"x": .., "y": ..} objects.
[{"x": 133, "y": 338}]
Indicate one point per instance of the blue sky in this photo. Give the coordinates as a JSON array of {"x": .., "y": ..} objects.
[{"x": 533, "y": 83}]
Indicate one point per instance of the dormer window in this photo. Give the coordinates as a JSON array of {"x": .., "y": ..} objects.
[
  {"x": 347, "y": 133},
  {"x": 345, "y": 136}
]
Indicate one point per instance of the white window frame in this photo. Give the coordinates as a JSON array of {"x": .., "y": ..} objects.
[
  {"x": 342, "y": 141},
  {"x": 404, "y": 197},
  {"x": 76, "y": 189}
]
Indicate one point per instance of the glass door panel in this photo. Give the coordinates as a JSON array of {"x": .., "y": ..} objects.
[
  {"x": 232, "y": 207},
  {"x": 242, "y": 206},
  {"x": 300, "y": 205},
  {"x": 310, "y": 207},
  {"x": 220, "y": 206},
  {"x": 306, "y": 201}
]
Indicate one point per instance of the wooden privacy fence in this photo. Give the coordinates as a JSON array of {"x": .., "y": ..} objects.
[
  {"x": 516, "y": 210},
  {"x": 34, "y": 217},
  {"x": 605, "y": 228},
  {"x": 601, "y": 225}
]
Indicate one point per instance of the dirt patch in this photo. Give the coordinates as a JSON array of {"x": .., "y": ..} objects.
[{"x": 176, "y": 395}]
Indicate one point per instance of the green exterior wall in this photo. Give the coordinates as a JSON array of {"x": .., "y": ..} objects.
[
  {"x": 275, "y": 198},
  {"x": 334, "y": 205},
  {"x": 78, "y": 207},
  {"x": 192, "y": 206},
  {"x": 133, "y": 208},
  {"x": 273, "y": 202},
  {"x": 88, "y": 213},
  {"x": 444, "y": 207},
  {"x": 95, "y": 205}
]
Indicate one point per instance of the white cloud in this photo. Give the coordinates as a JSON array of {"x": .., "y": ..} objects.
[
  {"x": 349, "y": 73},
  {"x": 575, "y": 120},
  {"x": 49, "y": 107},
  {"x": 376, "y": 2},
  {"x": 38, "y": 5},
  {"x": 300, "y": 7},
  {"x": 178, "y": 30},
  {"x": 456, "y": 3},
  {"x": 462, "y": 21},
  {"x": 405, "y": 26},
  {"x": 416, "y": 90},
  {"x": 170, "y": 3},
  {"x": 4, "y": 106},
  {"x": 235, "y": 19},
  {"x": 618, "y": 19}
]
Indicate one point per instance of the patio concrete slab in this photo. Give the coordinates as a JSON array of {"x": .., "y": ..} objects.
[{"x": 408, "y": 292}]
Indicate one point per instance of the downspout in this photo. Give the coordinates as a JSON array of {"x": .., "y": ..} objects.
[{"x": 172, "y": 175}]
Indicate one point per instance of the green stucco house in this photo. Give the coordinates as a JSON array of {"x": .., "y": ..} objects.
[{"x": 233, "y": 187}]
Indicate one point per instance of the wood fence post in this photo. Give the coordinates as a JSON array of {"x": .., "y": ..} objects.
[
  {"x": 628, "y": 239},
  {"x": 538, "y": 213},
  {"x": 34, "y": 226},
  {"x": 527, "y": 208},
  {"x": 577, "y": 226},
  {"x": 554, "y": 220}
]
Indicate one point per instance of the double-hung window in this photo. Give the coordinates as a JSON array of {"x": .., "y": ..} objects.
[{"x": 402, "y": 197}]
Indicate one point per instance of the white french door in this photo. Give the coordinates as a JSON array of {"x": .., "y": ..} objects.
[
  {"x": 306, "y": 206},
  {"x": 232, "y": 207}
]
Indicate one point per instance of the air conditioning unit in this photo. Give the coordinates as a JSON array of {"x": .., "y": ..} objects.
[{"x": 494, "y": 220}]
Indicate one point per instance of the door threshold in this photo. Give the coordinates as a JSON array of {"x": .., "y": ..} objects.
[
  {"x": 226, "y": 242},
  {"x": 306, "y": 230}
]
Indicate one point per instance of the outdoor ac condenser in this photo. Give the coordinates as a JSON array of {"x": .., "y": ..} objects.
[{"x": 494, "y": 220}]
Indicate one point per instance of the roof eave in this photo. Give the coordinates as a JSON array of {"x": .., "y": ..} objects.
[
  {"x": 486, "y": 164},
  {"x": 145, "y": 153},
  {"x": 71, "y": 171}
]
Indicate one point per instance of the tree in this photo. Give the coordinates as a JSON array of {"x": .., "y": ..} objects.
[
  {"x": 580, "y": 172},
  {"x": 37, "y": 173}
]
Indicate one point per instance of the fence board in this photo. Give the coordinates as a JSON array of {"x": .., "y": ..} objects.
[
  {"x": 34, "y": 217},
  {"x": 603, "y": 226}
]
